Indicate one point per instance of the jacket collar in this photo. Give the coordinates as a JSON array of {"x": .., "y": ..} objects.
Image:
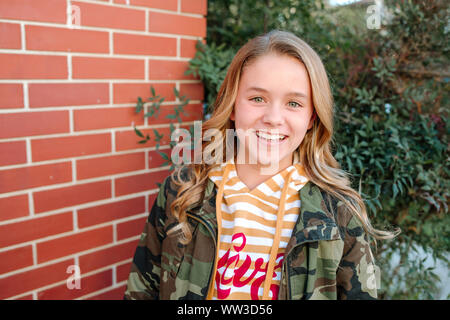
[{"x": 315, "y": 221}]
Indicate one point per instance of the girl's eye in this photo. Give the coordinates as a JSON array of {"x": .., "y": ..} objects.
[
  {"x": 257, "y": 99},
  {"x": 294, "y": 104}
]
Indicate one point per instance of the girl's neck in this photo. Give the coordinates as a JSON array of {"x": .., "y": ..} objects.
[{"x": 253, "y": 175}]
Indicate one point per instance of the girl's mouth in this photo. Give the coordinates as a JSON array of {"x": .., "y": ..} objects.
[{"x": 270, "y": 137}]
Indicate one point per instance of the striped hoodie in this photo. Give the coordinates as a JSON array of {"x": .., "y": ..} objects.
[{"x": 254, "y": 227}]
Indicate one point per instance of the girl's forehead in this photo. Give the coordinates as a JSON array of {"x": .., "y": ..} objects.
[
  {"x": 274, "y": 63},
  {"x": 275, "y": 71}
]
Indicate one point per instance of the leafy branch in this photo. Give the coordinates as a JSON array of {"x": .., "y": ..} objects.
[{"x": 154, "y": 110}]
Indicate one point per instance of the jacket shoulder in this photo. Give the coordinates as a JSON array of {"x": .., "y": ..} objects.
[
  {"x": 320, "y": 206},
  {"x": 341, "y": 215}
]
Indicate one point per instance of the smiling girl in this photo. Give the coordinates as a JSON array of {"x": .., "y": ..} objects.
[{"x": 275, "y": 220}]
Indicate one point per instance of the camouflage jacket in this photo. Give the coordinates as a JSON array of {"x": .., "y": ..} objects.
[{"x": 327, "y": 257}]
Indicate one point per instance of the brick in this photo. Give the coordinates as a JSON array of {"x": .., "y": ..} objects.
[
  {"x": 32, "y": 66},
  {"x": 154, "y": 4},
  {"x": 14, "y": 207},
  {"x": 14, "y": 152},
  {"x": 193, "y": 91},
  {"x": 80, "y": 241},
  {"x": 111, "y": 16},
  {"x": 34, "y": 279},
  {"x": 151, "y": 200},
  {"x": 70, "y": 196},
  {"x": 71, "y": 146},
  {"x": 35, "y": 228},
  {"x": 107, "y": 68},
  {"x": 128, "y": 140},
  {"x": 105, "y": 257},
  {"x": 67, "y": 94},
  {"x": 123, "y": 271},
  {"x": 104, "y": 118},
  {"x": 66, "y": 39},
  {"x": 188, "y": 48},
  {"x": 16, "y": 259},
  {"x": 197, "y": 6},
  {"x": 88, "y": 284},
  {"x": 130, "y": 229},
  {"x": 176, "y": 24},
  {"x": 129, "y": 92},
  {"x": 110, "y": 211},
  {"x": 42, "y": 10},
  {"x": 113, "y": 294},
  {"x": 11, "y": 95},
  {"x": 35, "y": 176},
  {"x": 145, "y": 45},
  {"x": 10, "y": 37},
  {"x": 104, "y": 166},
  {"x": 23, "y": 124},
  {"x": 168, "y": 70},
  {"x": 139, "y": 182}
]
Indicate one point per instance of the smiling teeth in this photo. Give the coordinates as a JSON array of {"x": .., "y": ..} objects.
[{"x": 271, "y": 137}]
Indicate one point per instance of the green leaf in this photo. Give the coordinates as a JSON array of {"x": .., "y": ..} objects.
[
  {"x": 164, "y": 156},
  {"x": 379, "y": 167},
  {"x": 149, "y": 114},
  {"x": 139, "y": 105},
  {"x": 158, "y": 136},
  {"x": 394, "y": 190},
  {"x": 359, "y": 163},
  {"x": 371, "y": 206},
  {"x": 138, "y": 132}
]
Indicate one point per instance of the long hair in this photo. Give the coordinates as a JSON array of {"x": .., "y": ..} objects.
[{"x": 314, "y": 152}]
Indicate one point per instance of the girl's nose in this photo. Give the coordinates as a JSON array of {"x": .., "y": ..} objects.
[{"x": 273, "y": 115}]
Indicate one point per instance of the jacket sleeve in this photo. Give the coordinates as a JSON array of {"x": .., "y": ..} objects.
[
  {"x": 144, "y": 278},
  {"x": 357, "y": 275}
]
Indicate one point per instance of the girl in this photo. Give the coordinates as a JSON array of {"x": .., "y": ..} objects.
[{"x": 276, "y": 217}]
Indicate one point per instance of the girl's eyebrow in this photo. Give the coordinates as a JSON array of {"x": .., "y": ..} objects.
[{"x": 293, "y": 93}]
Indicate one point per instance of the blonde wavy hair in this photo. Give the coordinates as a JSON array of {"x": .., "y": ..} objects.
[{"x": 314, "y": 152}]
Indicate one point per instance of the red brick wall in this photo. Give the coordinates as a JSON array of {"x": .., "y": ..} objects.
[{"x": 75, "y": 187}]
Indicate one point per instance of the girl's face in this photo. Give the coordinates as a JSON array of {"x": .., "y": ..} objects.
[{"x": 273, "y": 109}]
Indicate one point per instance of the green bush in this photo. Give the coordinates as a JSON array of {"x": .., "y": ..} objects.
[{"x": 390, "y": 87}]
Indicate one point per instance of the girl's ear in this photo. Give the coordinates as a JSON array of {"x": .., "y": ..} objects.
[
  {"x": 311, "y": 121},
  {"x": 232, "y": 115}
]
